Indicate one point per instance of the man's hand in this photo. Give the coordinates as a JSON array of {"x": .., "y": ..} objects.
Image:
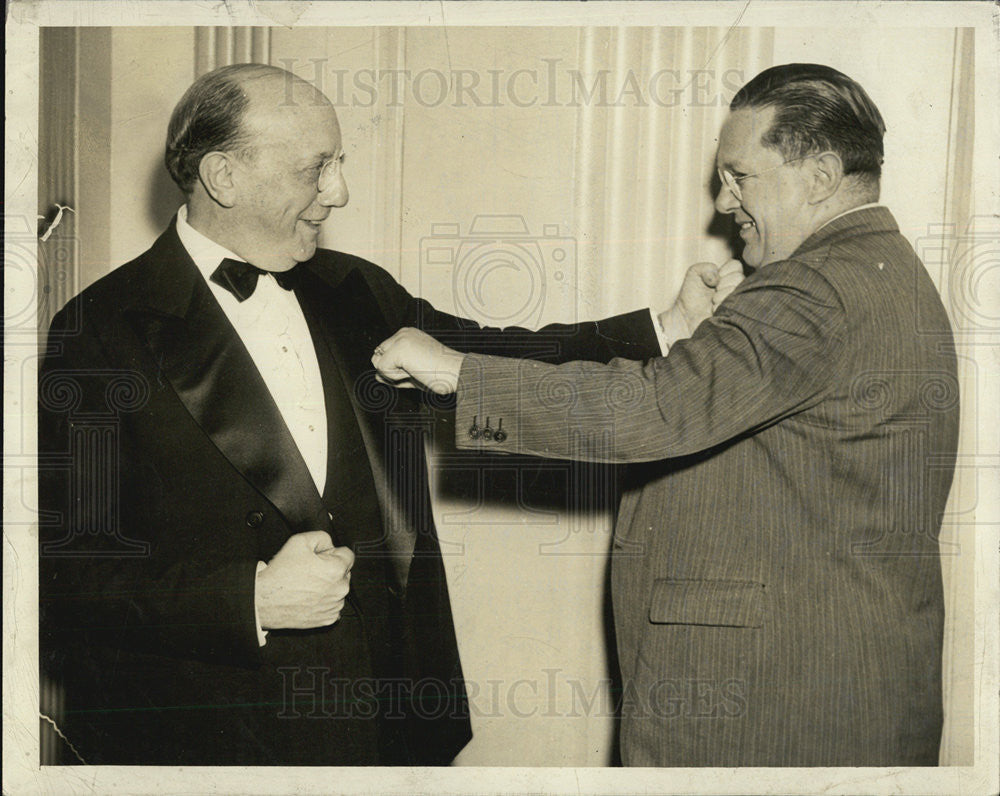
[
  {"x": 305, "y": 584},
  {"x": 705, "y": 287},
  {"x": 412, "y": 356}
]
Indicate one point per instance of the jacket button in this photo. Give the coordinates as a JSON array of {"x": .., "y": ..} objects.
[
  {"x": 500, "y": 436},
  {"x": 255, "y": 518}
]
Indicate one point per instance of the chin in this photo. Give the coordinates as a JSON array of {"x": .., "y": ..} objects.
[
  {"x": 304, "y": 252},
  {"x": 303, "y": 257},
  {"x": 751, "y": 257}
]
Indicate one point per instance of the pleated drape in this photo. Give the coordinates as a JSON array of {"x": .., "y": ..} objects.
[{"x": 644, "y": 167}]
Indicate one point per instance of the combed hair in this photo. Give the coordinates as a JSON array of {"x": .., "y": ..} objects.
[
  {"x": 209, "y": 118},
  {"x": 818, "y": 109}
]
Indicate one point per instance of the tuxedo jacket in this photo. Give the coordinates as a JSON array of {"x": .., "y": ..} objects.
[
  {"x": 775, "y": 576},
  {"x": 167, "y": 473}
]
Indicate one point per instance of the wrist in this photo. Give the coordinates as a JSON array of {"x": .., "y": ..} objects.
[{"x": 674, "y": 324}]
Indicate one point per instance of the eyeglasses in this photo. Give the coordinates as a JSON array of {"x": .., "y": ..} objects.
[
  {"x": 329, "y": 173},
  {"x": 732, "y": 182}
]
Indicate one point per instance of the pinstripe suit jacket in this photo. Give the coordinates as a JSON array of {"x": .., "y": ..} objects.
[{"x": 775, "y": 576}]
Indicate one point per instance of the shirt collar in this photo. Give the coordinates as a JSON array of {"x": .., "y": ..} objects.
[{"x": 206, "y": 253}]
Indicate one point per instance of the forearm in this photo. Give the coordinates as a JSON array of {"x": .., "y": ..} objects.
[
  {"x": 631, "y": 335},
  {"x": 771, "y": 352},
  {"x": 185, "y": 610},
  {"x": 581, "y": 410}
]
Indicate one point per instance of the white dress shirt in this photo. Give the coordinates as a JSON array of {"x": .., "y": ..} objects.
[
  {"x": 274, "y": 331},
  {"x": 272, "y": 327}
]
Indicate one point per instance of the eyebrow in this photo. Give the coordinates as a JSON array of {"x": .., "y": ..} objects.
[
  {"x": 732, "y": 166},
  {"x": 320, "y": 158}
]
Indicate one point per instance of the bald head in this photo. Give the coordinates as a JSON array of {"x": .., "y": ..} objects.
[
  {"x": 277, "y": 100},
  {"x": 212, "y": 115},
  {"x": 258, "y": 152}
]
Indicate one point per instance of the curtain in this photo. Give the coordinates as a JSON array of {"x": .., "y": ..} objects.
[
  {"x": 215, "y": 47},
  {"x": 644, "y": 174}
]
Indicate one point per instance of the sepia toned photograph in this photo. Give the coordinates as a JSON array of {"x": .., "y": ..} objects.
[{"x": 501, "y": 398}]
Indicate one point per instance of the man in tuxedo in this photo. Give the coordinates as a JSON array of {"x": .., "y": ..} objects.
[
  {"x": 238, "y": 563},
  {"x": 775, "y": 578}
]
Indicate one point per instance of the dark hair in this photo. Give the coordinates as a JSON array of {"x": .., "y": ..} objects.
[
  {"x": 209, "y": 118},
  {"x": 817, "y": 109}
]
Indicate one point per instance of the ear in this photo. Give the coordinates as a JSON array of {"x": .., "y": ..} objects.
[
  {"x": 216, "y": 174},
  {"x": 826, "y": 177}
]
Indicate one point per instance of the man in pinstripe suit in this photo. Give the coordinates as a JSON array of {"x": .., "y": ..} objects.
[{"x": 775, "y": 577}]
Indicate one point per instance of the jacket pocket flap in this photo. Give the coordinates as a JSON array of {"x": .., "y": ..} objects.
[{"x": 723, "y": 603}]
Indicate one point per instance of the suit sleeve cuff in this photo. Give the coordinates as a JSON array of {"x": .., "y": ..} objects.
[{"x": 261, "y": 633}]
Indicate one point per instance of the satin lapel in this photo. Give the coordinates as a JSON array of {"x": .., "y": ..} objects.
[
  {"x": 215, "y": 378},
  {"x": 353, "y": 324},
  {"x": 351, "y": 321}
]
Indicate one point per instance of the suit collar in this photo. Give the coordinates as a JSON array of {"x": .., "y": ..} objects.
[
  {"x": 205, "y": 252},
  {"x": 867, "y": 206},
  {"x": 864, "y": 221},
  {"x": 169, "y": 278}
]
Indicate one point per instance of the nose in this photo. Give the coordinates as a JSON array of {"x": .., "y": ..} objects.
[
  {"x": 725, "y": 200},
  {"x": 335, "y": 193}
]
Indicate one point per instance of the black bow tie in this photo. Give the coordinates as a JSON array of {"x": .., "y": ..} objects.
[{"x": 240, "y": 278}]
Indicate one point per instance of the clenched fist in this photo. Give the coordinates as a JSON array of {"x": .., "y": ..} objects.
[
  {"x": 305, "y": 584},
  {"x": 413, "y": 358},
  {"x": 705, "y": 287}
]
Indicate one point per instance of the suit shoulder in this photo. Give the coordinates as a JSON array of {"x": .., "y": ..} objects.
[
  {"x": 879, "y": 276},
  {"x": 334, "y": 266},
  {"x": 111, "y": 293},
  {"x": 849, "y": 259}
]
